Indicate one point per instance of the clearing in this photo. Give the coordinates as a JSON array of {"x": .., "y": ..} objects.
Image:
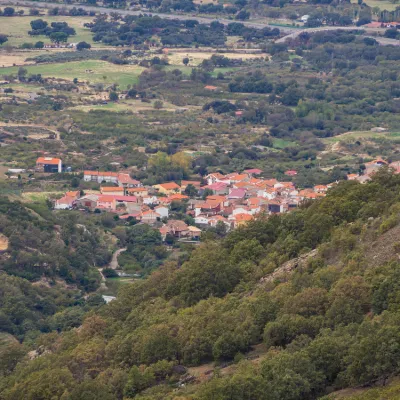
[{"x": 175, "y": 57}]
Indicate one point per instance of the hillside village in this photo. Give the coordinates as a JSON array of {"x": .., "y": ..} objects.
[{"x": 228, "y": 201}]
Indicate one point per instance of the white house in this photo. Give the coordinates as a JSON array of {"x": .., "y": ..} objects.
[
  {"x": 304, "y": 18},
  {"x": 201, "y": 220},
  {"x": 162, "y": 210}
]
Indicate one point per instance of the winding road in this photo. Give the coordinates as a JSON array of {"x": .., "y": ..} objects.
[{"x": 113, "y": 265}]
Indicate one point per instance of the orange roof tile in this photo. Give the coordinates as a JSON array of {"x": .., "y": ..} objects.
[
  {"x": 111, "y": 189},
  {"x": 243, "y": 217},
  {"x": 169, "y": 185},
  {"x": 48, "y": 160}
]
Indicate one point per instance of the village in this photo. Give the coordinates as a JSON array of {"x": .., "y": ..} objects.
[{"x": 228, "y": 201}]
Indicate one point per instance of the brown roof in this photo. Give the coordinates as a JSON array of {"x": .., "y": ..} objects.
[{"x": 169, "y": 185}]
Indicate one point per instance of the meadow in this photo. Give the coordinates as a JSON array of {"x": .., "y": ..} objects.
[
  {"x": 101, "y": 72},
  {"x": 17, "y": 29},
  {"x": 382, "y": 4}
]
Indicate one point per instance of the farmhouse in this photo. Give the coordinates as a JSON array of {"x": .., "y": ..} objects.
[
  {"x": 48, "y": 164},
  {"x": 168, "y": 188}
]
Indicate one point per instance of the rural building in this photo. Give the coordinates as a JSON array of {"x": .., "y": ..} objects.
[
  {"x": 150, "y": 217},
  {"x": 168, "y": 188},
  {"x": 138, "y": 191},
  {"x": 99, "y": 176},
  {"x": 112, "y": 190},
  {"x": 48, "y": 164}
]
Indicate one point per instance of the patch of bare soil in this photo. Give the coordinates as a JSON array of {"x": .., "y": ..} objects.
[
  {"x": 3, "y": 242},
  {"x": 382, "y": 249},
  {"x": 283, "y": 272}
]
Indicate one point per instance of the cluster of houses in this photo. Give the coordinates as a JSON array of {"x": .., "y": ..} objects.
[
  {"x": 228, "y": 200},
  {"x": 231, "y": 200}
]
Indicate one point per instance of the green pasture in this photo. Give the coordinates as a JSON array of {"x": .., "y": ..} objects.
[
  {"x": 17, "y": 28},
  {"x": 92, "y": 71},
  {"x": 353, "y": 136},
  {"x": 382, "y": 4}
]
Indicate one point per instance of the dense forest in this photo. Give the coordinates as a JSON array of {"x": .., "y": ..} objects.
[
  {"x": 327, "y": 320},
  {"x": 44, "y": 245}
]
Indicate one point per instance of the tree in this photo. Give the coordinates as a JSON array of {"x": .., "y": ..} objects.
[
  {"x": 242, "y": 15},
  {"x": 22, "y": 72},
  {"x": 38, "y": 24},
  {"x": 8, "y": 11},
  {"x": 391, "y": 33},
  {"x": 83, "y": 46},
  {"x": 132, "y": 93},
  {"x": 207, "y": 273},
  {"x": 190, "y": 191},
  {"x": 181, "y": 160},
  {"x": 3, "y": 39},
  {"x": 39, "y": 45},
  {"x": 207, "y": 192},
  {"x": 158, "y": 104},
  {"x": 185, "y": 61},
  {"x": 58, "y": 37},
  {"x": 113, "y": 96}
]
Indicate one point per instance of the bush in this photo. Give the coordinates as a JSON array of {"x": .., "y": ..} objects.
[
  {"x": 82, "y": 46},
  {"x": 109, "y": 273}
]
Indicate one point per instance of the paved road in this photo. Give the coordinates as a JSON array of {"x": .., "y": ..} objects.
[{"x": 381, "y": 40}]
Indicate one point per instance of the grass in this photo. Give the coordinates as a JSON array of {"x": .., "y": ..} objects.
[
  {"x": 103, "y": 72},
  {"x": 6, "y": 339},
  {"x": 17, "y": 28},
  {"x": 124, "y": 105},
  {"x": 175, "y": 58},
  {"x": 282, "y": 143},
  {"x": 353, "y": 136},
  {"x": 113, "y": 285},
  {"x": 40, "y": 197},
  {"x": 382, "y": 4},
  {"x": 187, "y": 70}
]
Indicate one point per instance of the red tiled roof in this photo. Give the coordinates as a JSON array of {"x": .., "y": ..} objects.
[
  {"x": 132, "y": 199},
  {"x": 169, "y": 185},
  {"x": 48, "y": 160},
  {"x": 216, "y": 186},
  {"x": 111, "y": 189}
]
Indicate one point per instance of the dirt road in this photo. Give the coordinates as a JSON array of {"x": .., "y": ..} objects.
[{"x": 113, "y": 265}]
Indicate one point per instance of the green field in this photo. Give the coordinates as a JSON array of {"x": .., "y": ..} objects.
[
  {"x": 281, "y": 143},
  {"x": 17, "y": 28},
  {"x": 382, "y": 4},
  {"x": 352, "y": 136},
  {"x": 102, "y": 72}
]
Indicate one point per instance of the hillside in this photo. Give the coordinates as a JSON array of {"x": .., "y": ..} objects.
[{"x": 328, "y": 322}]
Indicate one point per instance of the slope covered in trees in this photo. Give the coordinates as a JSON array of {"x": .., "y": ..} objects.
[
  {"x": 60, "y": 245},
  {"x": 330, "y": 323}
]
